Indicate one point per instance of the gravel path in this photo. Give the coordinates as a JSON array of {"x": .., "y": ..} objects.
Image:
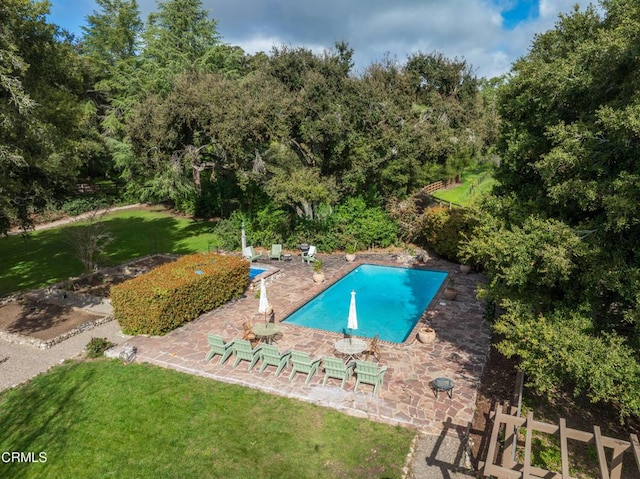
[
  {"x": 438, "y": 457},
  {"x": 21, "y": 362}
]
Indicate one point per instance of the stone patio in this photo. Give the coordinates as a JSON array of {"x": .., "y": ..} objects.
[{"x": 406, "y": 398}]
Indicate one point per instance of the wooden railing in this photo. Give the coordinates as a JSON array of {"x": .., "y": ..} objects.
[
  {"x": 438, "y": 185},
  {"x": 503, "y": 466}
]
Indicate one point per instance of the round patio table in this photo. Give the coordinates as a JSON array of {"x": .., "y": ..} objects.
[
  {"x": 266, "y": 332},
  {"x": 350, "y": 348},
  {"x": 442, "y": 384}
]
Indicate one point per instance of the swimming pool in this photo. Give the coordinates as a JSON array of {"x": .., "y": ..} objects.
[
  {"x": 255, "y": 271},
  {"x": 390, "y": 301}
]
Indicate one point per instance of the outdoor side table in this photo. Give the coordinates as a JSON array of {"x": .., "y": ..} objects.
[
  {"x": 265, "y": 332},
  {"x": 442, "y": 384},
  {"x": 350, "y": 348},
  {"x": 286, "y": 257}
]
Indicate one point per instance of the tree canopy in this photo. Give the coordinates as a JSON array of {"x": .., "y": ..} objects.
[
  {"x": 171, "y": 112},
  {"x": 560, "y": 238}
]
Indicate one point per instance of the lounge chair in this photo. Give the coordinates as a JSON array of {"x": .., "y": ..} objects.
[
  {"x": 243, "y": 352},
  {"x": 270, "y": 356},
  {"x": 335, "y": 368},
  {"x": 250, "y": 254},
  {"x": 369, "y": 373},
  {"x": 374, "y": 349},
  {"x": 276, "y": 252},
  {"x": 302, "y": 363},
  {"x": 218, "y": 346},
  {"x": 309, "y": 256}
]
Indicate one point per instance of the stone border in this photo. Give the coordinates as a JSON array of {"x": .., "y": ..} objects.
[
  {"x": 46, "y": 344},
  {"x": 50, "y": 294}
]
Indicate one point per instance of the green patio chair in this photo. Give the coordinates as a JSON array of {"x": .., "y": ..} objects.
[
  {"x": 270, "y": 356},
  {"x": 302, "y": 363},
  {"x": 250, "y": 254},
  {"x": 309, "y": 256},
  {"x": 369, "y": 373},
  {"x": 276, "y": 252},
  {"x": 335, "y": 368},
  {"x": 218, "y": 346},
  {"x": 243, "y": 352}
]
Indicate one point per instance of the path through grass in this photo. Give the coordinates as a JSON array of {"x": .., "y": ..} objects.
[
  {"x": 479, "y": 177},
  {"x": 105, "y": 419},
  {"x": 46, "y": 256}
]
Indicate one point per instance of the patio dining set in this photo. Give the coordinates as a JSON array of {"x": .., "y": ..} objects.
[{"x": 366, "y": 372}]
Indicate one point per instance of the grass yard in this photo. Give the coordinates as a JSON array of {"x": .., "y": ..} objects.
[
  {"x": 479, "y": 177},
  {"x": 46, "y": 256},
  {"x": 106, "y": 419}
]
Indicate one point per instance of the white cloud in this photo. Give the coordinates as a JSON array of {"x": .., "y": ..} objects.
[{"x": 472, "y": 29}]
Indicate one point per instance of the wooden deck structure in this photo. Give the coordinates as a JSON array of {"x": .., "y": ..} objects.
[{"x": 505, "y": 467}]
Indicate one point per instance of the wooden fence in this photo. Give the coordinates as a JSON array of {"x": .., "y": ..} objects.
[{"x": 438, "y": 185}]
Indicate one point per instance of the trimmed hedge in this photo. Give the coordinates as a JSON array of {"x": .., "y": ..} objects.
[{"x": 176, "y": 293}]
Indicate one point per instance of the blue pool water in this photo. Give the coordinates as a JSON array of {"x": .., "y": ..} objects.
[
  {"x": 389, "y": 302},
  {"x": 255, "y": 271}
]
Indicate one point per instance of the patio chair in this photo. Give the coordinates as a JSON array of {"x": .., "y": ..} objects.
[
  {"x": 369, "y": 373},
  {"x": 374, "y": 349},
  {"x": 270, "y": 356},
  {"x": 243, "y": 352},
  {"x": 335, "y": 368},
  {"x": 218, "y": 346},
  {"x": 248, "y": 334},
  {"x": 302, "y": 363},
  {"x": 276, "y": 252},
  {"x": 309, "y": 256},
  {"x": 250, "y": 254}
]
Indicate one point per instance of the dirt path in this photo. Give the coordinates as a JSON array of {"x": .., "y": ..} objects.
[{"x": 70, "y": 219}]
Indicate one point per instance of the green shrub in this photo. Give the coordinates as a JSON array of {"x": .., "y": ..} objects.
[
  {"x": 97, "y": 346},
  {"x": 226, "y": 233},
  {"x": 444, "y": 230},
  {"x": 356, "y": 222},
  {"x": 270, "y": 225},
  {"x": 175, "y": 293},
  {"x": 76, "y": 206}
]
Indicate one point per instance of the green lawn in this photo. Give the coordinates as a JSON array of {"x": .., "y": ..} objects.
[
  {"x": 46, "y": 257},
  {"x": 478, "y": 176},
  {"x": 106, "y": 419}
]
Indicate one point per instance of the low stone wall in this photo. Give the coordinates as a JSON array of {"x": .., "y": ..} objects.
[{"x": 42, "y": 344}]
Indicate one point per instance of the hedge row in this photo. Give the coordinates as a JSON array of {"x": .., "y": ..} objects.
[{"x": 176, "y": 293}]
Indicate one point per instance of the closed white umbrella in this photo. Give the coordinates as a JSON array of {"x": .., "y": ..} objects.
[
  {"x": 352, "y": 322},
  {"x": 243, "y": 239},
  {"x": 263, "y": 305}
]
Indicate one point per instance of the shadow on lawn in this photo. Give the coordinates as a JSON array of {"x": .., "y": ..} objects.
[
  {"x": 35, "y": 418},
  {"x": 47, "y": 257}
]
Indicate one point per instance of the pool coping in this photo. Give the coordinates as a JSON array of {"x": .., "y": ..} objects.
[
  {"x": 321, "y": 287},
  {"x": 269, "y": 274}
]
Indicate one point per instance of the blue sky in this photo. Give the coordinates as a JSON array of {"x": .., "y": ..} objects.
[{"x": 489, "y": 34}]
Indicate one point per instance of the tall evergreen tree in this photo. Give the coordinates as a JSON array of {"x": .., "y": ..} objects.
[{"x": 40, "y": 112}]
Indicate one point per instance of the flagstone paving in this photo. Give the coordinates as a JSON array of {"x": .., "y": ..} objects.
[{"x": 405, "y": 398}]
